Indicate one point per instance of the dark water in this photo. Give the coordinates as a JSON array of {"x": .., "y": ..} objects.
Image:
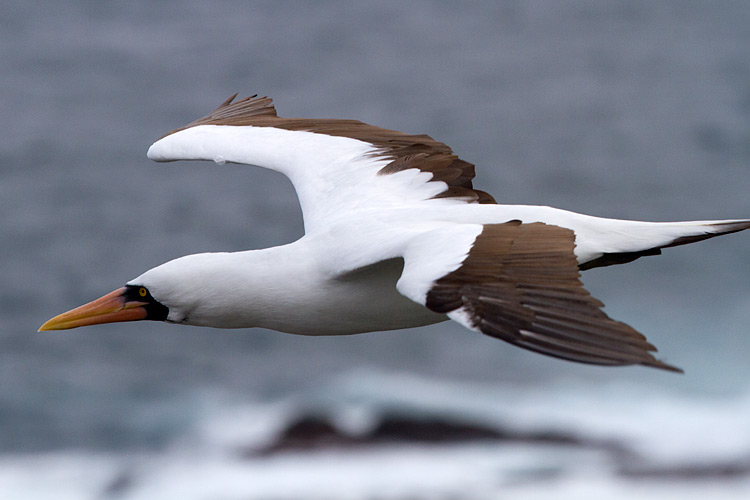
[{"x": 622, "y": 109}]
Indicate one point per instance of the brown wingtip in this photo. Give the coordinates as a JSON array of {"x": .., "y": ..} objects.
[
  {"x": 230, "y": 112},
  {"x": 664, "y": 366},
  {"x": 520, "y": 283},
  {"x": 229, "y": 100}
]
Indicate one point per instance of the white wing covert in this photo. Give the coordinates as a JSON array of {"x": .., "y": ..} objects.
[{"x": 336, "y": 166}]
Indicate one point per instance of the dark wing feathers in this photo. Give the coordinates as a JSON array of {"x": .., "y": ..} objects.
[
  {"x": 520, "y": 283},
  {"x": 405, "y": 150}
]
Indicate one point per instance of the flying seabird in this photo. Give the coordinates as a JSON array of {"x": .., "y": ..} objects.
[{"x": 395, "y": 237}]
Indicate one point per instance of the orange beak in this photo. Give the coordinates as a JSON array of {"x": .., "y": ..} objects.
[{"x": 111, "y": 308}]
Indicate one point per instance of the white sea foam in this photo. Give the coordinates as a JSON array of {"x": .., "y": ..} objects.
[{"x": 663, "y": 432}]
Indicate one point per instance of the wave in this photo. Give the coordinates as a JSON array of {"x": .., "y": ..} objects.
[{"x": 383, "y": 436}]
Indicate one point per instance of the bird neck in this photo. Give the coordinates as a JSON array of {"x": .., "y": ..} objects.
[{"x": 226, "y": 290}]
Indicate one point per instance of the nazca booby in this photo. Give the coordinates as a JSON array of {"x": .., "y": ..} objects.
[{"x": 395, "y": 237}]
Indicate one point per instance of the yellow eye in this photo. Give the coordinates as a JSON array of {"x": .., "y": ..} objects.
[{"x": 142, "y": 292}]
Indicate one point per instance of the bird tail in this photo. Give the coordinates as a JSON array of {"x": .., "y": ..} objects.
[{"x": 639, "y": 239}]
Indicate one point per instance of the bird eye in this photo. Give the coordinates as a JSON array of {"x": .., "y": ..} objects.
[{"x": 142, "y": 292}]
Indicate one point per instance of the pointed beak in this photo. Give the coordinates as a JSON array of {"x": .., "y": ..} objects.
[{"x": 111, "y": 308}]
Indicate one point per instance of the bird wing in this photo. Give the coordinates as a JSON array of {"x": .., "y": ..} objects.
[
  {"x": 519, "y": 283},
  {"x": 336, "y": 166}
]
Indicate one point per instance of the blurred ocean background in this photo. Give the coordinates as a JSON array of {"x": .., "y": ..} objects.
[{"x": 634, "y": 109}]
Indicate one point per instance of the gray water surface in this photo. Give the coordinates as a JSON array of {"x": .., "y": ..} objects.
[{"x": 620, "y": 109}]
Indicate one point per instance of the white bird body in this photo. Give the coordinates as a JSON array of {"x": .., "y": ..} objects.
[
  {"x": 395, "y": 237},
  {"x": 342, "y": 279},
  {"x": 289, "y": 288}
]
